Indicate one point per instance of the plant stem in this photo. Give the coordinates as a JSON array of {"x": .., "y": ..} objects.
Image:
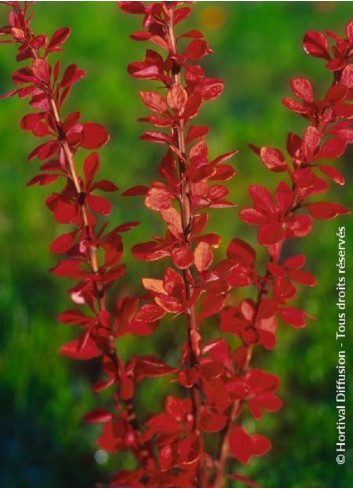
[
  {"x": 223, "y": 454},
  {"x": 92, "y": 249},
  {"x": 144, "y": 452},
  {"x": 187, "y": 221}
]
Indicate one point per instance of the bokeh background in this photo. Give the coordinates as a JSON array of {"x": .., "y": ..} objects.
[{"x": 257, "y": 48}]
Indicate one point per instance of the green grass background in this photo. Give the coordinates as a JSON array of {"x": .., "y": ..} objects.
[{"x": 43, "y": 395}]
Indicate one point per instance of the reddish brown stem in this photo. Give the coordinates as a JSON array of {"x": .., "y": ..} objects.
[
  {"x": 187, "y": 220},
  {"x": 92, "y": 250},
  {"x": 223, "y": 454},
  {"x": 144, "y": 452}
]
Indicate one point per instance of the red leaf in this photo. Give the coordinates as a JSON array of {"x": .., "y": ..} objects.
[
  {"x": 211, "y": 305},
  {"x": 17, "y": 34},
  {"x": 295, "y": 262},
  {"x": 344, "y": 110},
  {"x": 301, "y": 225},
  {"x": 169, "y": 304},
  {"x": 42, "y": 179},
  {"x": 181, "y": 14},
  {"x": 94, "y": 135},
  {"x": 8, "y": 94},
  {"x": 98, "y": 416},
  {"x": 302, "y": 88},
  {"x": 149, "y": 251},
  {"x": 182, "y": 257},
  {"x": 126, "y": 226},
  {"x": 343, "y": 131},
  {"x": 211, "y": 89},
  {"x": 271, "y": 234},
  {"x": 212, "y": 423},
  {"x": 193, "y": 106},
  {"x": 62, "y": 243},
  {"x": 261, "y": 197},
  {"x": 223, "y": 173},
  {"x": 149, "y": 313},
  {"x": 68, "y": 268},
  {"x": 333, "y": 148},
  {"x": 99, "y": 204},
  {"x": 196, "y": 132},
  {"x": 41, "y": 70},
  {"x": 333, "y": 174},
  {"x": 150, "y": 366},
  {"x": 203, "y": 256},
  {"x": 141, "y": 328},
  {"x": 293, "y": 316},
  {"x": 156, "y": 137},
  {"x": 154, "y": 101},
  {"x": 267, "y": 309},
  {"x": 24, "y": 75},
  {"x": 65, "y": 212},
  {"x": 132, "y": 7},
  {"x": 91, "y": 167},
  {"x": 243, "y": 446},
  {"x": 224, "y": 157},
  {"x": 72, "y": 75},
  {"x": 178, "y": 408},
  {"x": 137, "y": 190},
  {"x": 40, "y": 102},
  {"x": 194, "y": 34},
  {"x": 349, "y": 31},
  {"x": 294, "y": 106},
  {"x": 273, "y": 159},
  {"x": 158, "y": 121},
  {"x": 336, "y": 93},
  {"x": 177, "y": 98},
  {"x": 159, "y": 197},
  {"x": 327, "y": 210},
  {"x": 144, "y": 73},
  {"x": 303, "y": 277},
  {"x": 75, "y": 350},
  {"x": 347, "y": 76},
  {"x": 44, "y": 151},
  {"x": 311, "y": 141},
  {"x": 163, "y": 423},
  {"x": 165, "y": 457},
  {"x": 140, "y": 36},
  {"x": 315, "y": 43},
  {"x": 74, "y": 316},
  {"x": 197, "y": 49},
  {"x": 220, "y": 352},
  {"x": 240, "y": 249},
  {"x": 100, "y": 386},
  {"x": 105, "y": 186},
  {"x": 30, "y": 121},
  {"x": 58, "y": 38}
]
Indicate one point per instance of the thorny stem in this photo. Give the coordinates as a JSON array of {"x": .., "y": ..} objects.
[
  {"x": 219, "y": 477},
  {"x": 223, "y": 453},
  {"x": 92, "y": 253},
  {"x": 144, "y": 453},
  {"x": 92, "y": 250},
  {"x": 187, "y": 220}
]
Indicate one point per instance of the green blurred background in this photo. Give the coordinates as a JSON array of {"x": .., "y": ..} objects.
[{"x": 43, "y": 395}]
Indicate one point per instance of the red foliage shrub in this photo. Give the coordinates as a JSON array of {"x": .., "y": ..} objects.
[{"x": 218, "y": 383}]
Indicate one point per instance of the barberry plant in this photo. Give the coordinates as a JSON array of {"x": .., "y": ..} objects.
[{"x": 200, "y": 431}]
